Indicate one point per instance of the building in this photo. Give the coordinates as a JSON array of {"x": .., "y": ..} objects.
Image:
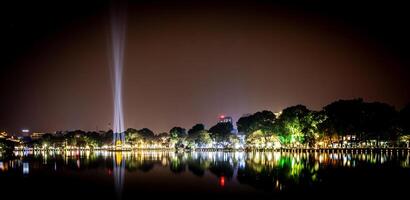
[
  {"x": 36, "y": 136},
  {"x": 6, "y": 136},
  {"x": 224, "y": 119}
]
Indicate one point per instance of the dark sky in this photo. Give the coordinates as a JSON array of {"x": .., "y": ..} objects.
[{"x": 189, "y": 61}]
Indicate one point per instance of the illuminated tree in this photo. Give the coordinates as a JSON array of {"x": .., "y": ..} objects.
[
  {"x": 221, "y": 132},
  {"x": 311, "y": 123},
  {"x": 194, "y": 139},
  {"x": 255, "y": 140},
  {"x": 204, "y": 139},
  {"x": 178, "y": 137},
  {"x": 233, "y": 141},
  {"x": 297, "y": 126},
  {"x": 133, "y": 138},
  {"x": 177, "y": 132},
  {"x": 263, "y": 121},
  {"x": 163, "y": 139},
  {"x": 199, "y": 139},
  {"x": 92, "y": 139}
]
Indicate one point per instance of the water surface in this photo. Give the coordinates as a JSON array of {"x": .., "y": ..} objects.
[{"x": 131, "y": 175}]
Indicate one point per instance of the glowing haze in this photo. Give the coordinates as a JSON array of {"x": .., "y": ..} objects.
[
  {"x": 118, "y": 37},
  {"x": 187, "y": 62}
]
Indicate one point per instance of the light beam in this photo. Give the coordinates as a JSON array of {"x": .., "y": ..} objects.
[{"x": 118, "y": 40}]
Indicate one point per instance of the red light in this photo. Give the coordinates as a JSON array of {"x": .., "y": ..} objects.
[
  {"x": 222, "y": 181},
  {"x": 222, "y": 116}
]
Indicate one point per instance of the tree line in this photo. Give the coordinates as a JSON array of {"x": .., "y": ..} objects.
[{"x": 343, "y": 123}]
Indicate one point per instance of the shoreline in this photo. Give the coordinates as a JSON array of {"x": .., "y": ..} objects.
[{"x": 290, "y": 150}]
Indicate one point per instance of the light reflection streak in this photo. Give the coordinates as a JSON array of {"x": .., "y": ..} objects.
[{"x": 119, "y": 170}]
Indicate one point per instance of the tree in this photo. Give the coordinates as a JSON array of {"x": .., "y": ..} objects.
[
  {"x": 201, "y": 139},
  {"x": 196, "y": 129},
  {"x": 163, "y": 139},
  {"x": 177, "y": 132},
  {"x": 297, "y": 125},
  {"x": 378, "y": 122},
  {"x": 132, "y": 137},
  {"x": 233, "y": 141},
  {"x": 131, "y": 130},
  {"x": 148, "y": 136},
  {"x": 263, "y": 121},
  {"x": 255, "y": 140},
  {"x": 294, "y": 124},
  {"x": 403, "y": 125},
  {"x": 178, "y": 137},
  {"x": 220, "y": 133},
  {"x": 73, "y": 138},
  {"x": 259, "y": 140},
  {"x": 93, "y": 139},
  {"x": 404, "y": 120},
  {"x": 146, "y": 133},
  {"x": 6, "y": 146},
  {"x": 204, "y": 139},
  {"x": 344, "y": 117},
  {"x": 311, "y": 124},
  {"x": 366, "y": 121}
]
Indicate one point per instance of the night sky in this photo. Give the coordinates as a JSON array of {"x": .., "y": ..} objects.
[{"x": 189, "y": 61}]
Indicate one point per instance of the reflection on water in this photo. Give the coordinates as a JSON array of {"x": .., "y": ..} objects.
[
  {"x": 119, "y": 168},
  {"x": 26, "y": 168},
  {"x": 267, "y": 172}
]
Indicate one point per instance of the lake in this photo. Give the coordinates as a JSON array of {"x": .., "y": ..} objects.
[{"x": 187, "y": 175}]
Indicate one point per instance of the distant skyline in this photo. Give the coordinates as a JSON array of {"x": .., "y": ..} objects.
[{"x": 189, "y": 62}]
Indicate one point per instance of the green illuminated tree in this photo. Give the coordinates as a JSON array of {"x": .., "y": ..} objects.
[
  {"x": 297, "y": 126},
  {"x": 311, "y": 123}
]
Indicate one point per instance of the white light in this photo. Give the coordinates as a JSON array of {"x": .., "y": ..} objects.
[
  {"x": 25, "y": 130},
  {"x": 118, "y": 43}
]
